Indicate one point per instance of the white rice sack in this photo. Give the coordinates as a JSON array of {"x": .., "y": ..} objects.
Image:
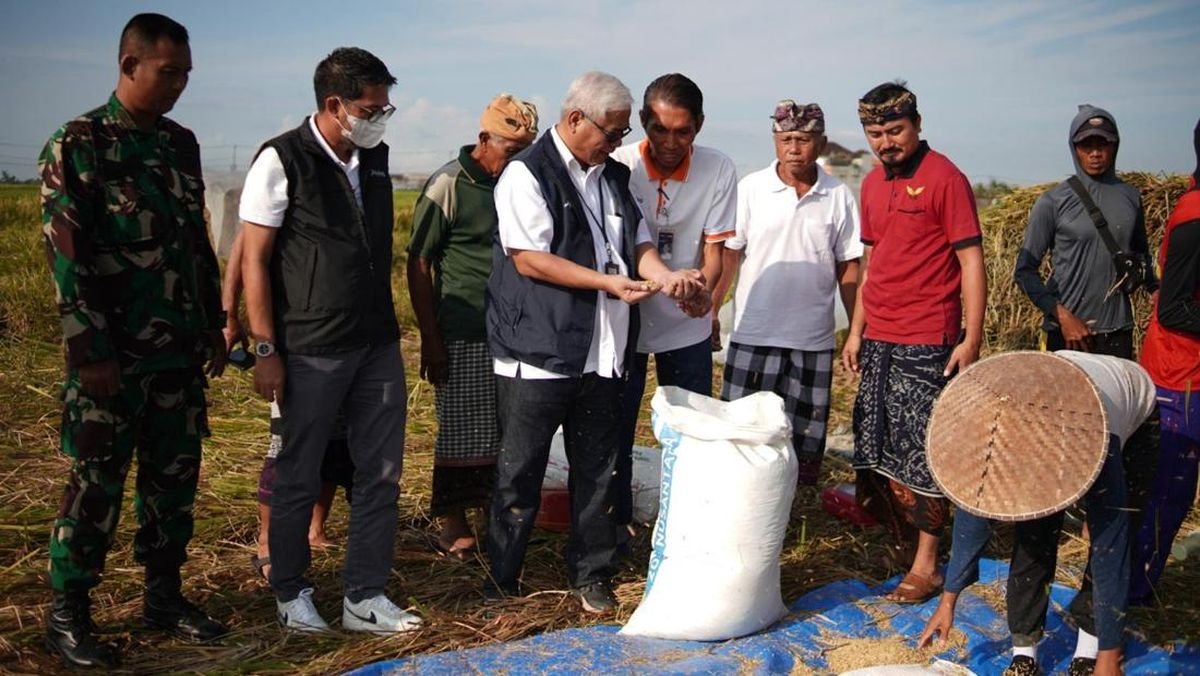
[
  {"x": 646, "y": 479},
  {"x": 557, "y": 468},
  {"x": 728, "y": 479}
]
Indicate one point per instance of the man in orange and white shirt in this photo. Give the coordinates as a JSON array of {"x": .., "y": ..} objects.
[{"x": 688, "y": 195}]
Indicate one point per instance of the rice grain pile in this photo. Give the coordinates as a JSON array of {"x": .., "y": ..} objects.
[{"x": 847, "y": 654}]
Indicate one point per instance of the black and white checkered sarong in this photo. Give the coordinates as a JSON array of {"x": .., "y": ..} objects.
[
  {"x": 468, "y": 427},
  {"x": 803, "y": 378}
]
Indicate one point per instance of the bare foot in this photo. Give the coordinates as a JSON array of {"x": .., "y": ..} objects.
[
  {"x": 318, "y": 540},
  {"x": 1108, "y": 662},
  {"x": 463, "y": 544},
  {"x": 457, "y": 539},
  {"x": 262, "y": 561}
]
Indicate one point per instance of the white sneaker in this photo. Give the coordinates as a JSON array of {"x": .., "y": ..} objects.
[
  {"x": 377, "y": 614},
  {"x": 300, "y": 614}
]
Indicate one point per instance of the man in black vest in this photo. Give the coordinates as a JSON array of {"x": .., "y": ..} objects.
[
  {"x": 572, "y": 256},
  {"x": 317, "y": 265}
]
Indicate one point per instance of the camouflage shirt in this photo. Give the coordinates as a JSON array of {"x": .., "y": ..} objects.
[{"x": 135, "y": 276}]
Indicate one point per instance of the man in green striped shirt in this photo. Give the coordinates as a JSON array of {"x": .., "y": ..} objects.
[{"x": 449, "y": 261}]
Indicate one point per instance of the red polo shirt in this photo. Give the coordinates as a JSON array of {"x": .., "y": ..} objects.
[{"x": 914, "y": 218}]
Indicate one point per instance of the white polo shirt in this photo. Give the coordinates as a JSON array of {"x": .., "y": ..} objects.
[
  {"x": 788, "y": 277},
  {"x": 525, "y": 223},
  {"x": 264, "y": 192},
  {"x": 694, "y": 205}
]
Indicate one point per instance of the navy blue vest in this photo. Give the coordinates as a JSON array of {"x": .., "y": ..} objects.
[
  {"x": 331, "y": 288},
  {"x": 543, "y": 324}
]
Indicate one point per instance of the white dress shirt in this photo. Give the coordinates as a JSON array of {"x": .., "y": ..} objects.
[{"x": 526, "y": 224}]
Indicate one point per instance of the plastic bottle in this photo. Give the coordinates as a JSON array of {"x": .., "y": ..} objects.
[{"x": 1187, "y": 546}]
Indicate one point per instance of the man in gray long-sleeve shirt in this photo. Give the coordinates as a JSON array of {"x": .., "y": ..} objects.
[
  {"x": 1082, "y": 309},
  {"x": 1080, "y": 312}
]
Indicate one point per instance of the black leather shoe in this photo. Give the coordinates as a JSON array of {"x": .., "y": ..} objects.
[
  {"x": 163, "y": 607},
  {"x": 498, "y": 592},
  {"x": 597, "y": 597},
  {"x": 70, "y": 633}
]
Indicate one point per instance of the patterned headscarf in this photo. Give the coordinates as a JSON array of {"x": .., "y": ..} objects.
[
  {"x": 511, "y": 118},
  {"x": 792, "y": 116},
  {"x": 901, "y": 105}
]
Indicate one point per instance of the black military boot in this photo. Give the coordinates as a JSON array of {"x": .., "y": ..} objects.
[
  {"x": 71, "y": 634},
  {"x": 163, "y": 607}
]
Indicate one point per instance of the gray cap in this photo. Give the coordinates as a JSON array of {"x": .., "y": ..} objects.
[{"x": 1096, "y": 126}]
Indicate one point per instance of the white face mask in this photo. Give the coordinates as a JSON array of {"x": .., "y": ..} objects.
[{"x": 363, "y": 133}]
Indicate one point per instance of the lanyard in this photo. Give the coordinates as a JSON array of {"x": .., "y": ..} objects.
[
  {"x": 608, "y": 248},
  {"x": 660, "y": 210}
]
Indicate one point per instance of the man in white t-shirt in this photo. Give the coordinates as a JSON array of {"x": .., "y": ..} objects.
[
  {"x": 688, "y": 194},
  {"x": 317, "y": 265},
  {"x": 798, "y": 246},
  {"x": 572, "y": 257}
]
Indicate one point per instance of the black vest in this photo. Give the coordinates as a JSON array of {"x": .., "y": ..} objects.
[
  {"x": 331, "y": 288},
  {"x": 543, "y": 324}
]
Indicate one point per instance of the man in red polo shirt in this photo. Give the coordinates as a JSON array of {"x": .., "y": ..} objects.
[{"x": 922, "y": 273}]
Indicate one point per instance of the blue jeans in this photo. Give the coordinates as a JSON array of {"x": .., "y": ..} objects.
[
  {"x": 1100, "y": 610},
  {"x": 687, "y": 367},
  {"x": 530, "y": 412}
]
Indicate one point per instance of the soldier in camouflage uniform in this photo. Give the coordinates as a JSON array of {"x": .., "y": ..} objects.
[{"x": 138, "y": 291}]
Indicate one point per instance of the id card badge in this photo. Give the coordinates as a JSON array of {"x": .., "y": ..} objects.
[
  {"x": 611, "y": 268},
  {"x": 666, "y": 244}
]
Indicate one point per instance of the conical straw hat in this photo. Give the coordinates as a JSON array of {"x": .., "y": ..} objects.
[{"x": 1017, "y": 436}]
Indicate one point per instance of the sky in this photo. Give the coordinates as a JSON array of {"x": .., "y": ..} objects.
[{"x": 997, "y": 82}]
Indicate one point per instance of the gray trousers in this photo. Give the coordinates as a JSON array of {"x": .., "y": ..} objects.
[{"x": 367, "y": 385}]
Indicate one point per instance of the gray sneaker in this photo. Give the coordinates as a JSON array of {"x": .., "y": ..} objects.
[
  {"x": 377, "y": 614},
  {"x": 300, "y": 614}
]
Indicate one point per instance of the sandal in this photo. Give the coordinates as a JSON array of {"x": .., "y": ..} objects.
[
  {"x": 452, "y": 552},
  {"x": 259, "y": 563},
  {"x": 914, "y": 588}
]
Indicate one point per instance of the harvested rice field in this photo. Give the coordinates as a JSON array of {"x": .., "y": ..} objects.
[{"x": 218, "y": 575}]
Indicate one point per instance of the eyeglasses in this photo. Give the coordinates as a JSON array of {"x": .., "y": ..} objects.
[
  {"x": 372, "y": 115},
  {"x": 613, "y": 137}
]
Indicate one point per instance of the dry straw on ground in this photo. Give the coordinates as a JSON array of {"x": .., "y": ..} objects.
[{"x": 818, "y": 549}]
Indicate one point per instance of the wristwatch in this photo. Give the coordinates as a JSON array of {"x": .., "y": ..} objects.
[{"x": 264, "y": 349}]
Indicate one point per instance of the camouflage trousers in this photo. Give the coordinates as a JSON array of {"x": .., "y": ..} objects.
[{"x": 163, "y": 416}]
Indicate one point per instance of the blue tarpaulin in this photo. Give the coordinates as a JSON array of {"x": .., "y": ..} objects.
[{"x": 815, "y": 623}]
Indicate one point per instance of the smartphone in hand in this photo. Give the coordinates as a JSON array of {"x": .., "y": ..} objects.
[{"x": 241, "y": 358}]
